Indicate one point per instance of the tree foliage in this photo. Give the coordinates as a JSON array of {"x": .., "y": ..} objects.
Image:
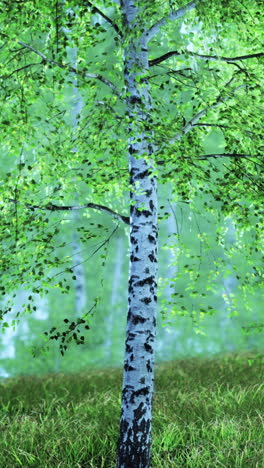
[{"x": 205, "y": 79}]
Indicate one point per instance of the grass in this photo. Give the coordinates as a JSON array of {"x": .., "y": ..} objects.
[{"x": 207, "y": 414}]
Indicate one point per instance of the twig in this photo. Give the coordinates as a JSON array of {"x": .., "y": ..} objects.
[
  {"x": 190, "y": 124},
  {"x": 103, "y": 15}
]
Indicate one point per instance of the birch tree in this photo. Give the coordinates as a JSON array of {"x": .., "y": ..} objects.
[{"x": 154, "y": 78}]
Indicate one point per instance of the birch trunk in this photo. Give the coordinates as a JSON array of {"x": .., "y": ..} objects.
[{"x": 138, "y": 378}]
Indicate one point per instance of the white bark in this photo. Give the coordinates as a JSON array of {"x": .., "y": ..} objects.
[{"x": 136, "y": 413}]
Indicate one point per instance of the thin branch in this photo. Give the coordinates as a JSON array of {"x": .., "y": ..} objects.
[
  {"x": 174, "y": 15},
  {"x": 204, "y": 124},
  {"x": 211, "y": 125},
  {"x": 189, "y": 125},
  {"x": 106, "y": 18},
  {"x": 19, "y": 70},
  {"x": 229, "y": 155},
  {"x": 164, "y": 57},
  {"x": 71, "y": 69},
  {"x": 102, "y": 244},
  {"x": 52, "y": 207}
]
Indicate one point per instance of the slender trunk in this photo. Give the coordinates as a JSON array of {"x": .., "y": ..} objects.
[
  {"x": 169, "y": 337},
  {"x": 76, "y": 108},
  {"x": 229, "y": 286},
  {"x": 138, "y": 378}
]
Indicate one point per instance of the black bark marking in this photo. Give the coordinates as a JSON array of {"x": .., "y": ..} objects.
[
  {"x": 128, "y": 388},
  {"x": 131, "y": 150},
  {"x": 149, "y": 192},
  {"x": 131, "y": 452},
  {"x": 155, "y": 298},
  {"x": 142, "y": 391},
  {"x": 149, "y": 280},
  {"x": 131, "y": 335},
  {"x": 151, "y": 239},
  {"x": 139, "y": 411},
  {"x": 142, "y": 175},
  {"x": 146, "y": 300},
  {"x": 134, "y": 259},
  {"x": 148, "y": 348},
  {"x": 127, "y": 367},
  {"x": 135, "y": 100},
  {"x": 149, "y": 366},
  {"x": 132, "y": 357},
  {"x": 133, "y": 239},
  {"x": 151, "y": 205},
  {"x": 152, "y": 258},
  {"x": 136, "y": 319},
  {"x": 146, "y": 270},
  {"x": 145, "y": 213},
  {"x": 150, "y": 336},
  {"x": 142, "y": 380},
  {"x": 129, "y": 348},
  {"x": 133, "y": 278}
]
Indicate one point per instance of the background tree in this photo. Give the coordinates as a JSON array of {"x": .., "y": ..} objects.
[{"x": 151, "y": 85}]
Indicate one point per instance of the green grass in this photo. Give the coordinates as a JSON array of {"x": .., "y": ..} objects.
[{"x": 207, "y": 414}]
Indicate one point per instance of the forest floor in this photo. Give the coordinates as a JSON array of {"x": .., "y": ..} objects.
[{"x": 207, "y": 414}]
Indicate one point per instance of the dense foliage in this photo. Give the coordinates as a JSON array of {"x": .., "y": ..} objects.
[{"x": 205, "y": 80}]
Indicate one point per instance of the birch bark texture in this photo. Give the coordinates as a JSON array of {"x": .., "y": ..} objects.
[{"x": 138, "y": 379}]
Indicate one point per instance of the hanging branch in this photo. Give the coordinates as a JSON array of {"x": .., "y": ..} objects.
[
  {"x": 52, "y": 207},
  {"x": 164, "y": 57},
  {"x": 69, "y": 68},
  {"x": 174, "y": 15}
]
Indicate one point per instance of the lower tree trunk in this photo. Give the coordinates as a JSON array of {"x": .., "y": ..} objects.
[{"x": 136, "y": 411}]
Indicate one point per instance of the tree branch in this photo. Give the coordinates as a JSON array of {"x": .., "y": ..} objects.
[
  {"x": 211, "y": 125},
  {"x": 19, "y": 70},
  {"x": 229, "y": 155},
  {"x": 189, "y": 125},
  {"x": 96, "y": 10},
  {"x": 69, "y": 68},
  {"x": 174, "y": 15},
  {"x": 52, "y": 207},
  {"x": 164, "y": 57}
]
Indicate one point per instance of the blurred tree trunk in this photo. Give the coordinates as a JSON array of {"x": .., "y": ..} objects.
[{"x": 117, "y": 278}]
